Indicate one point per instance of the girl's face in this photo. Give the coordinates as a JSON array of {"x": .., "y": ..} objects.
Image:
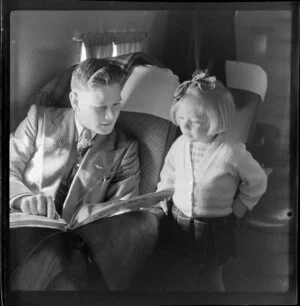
[{"x": 193, "y": 122}]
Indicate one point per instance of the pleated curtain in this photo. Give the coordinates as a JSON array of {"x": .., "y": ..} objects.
[{"x": 100, "y": 45}]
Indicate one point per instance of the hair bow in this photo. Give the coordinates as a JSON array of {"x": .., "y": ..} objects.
[{"x": 201, "y": 79}]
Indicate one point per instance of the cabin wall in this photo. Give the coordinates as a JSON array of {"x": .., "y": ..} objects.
[
  {"x": 266, "y": 256},
  {"x": 264, "y": 38},
  {"x": 41, "y": 44}
]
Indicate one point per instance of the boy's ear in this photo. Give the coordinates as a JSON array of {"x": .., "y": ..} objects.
[{"x": 73, "y": 99}]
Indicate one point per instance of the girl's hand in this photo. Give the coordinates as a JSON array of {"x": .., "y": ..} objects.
[
  {"x": 238, "y": 221},
  {"x": 239, "y": 209}
]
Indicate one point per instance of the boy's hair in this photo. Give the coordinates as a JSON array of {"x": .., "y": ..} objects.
[
  {"x": 93, "y": 73},
  {"x": 217, "y": 103}
]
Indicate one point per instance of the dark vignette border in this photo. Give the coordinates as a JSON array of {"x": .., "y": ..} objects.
[
  {"x": 294, "y": 143},
  {"x": 142, "y": 298}
]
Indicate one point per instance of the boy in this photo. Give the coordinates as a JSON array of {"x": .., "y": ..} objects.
[{"x": 63, "y": 157}]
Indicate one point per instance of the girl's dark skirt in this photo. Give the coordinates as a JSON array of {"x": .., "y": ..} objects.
[{"x": 205, "y": 240}]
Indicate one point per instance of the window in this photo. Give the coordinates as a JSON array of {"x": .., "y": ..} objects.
[
  {"x": 110, "y": 44},
  {"x": 115, "y": 50},
  {"x": 83, "y": 52}
]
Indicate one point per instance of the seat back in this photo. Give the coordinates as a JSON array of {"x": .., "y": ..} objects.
[{"x": 248, "y": 84}]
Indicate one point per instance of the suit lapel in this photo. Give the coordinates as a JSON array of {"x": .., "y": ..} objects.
[
  {"x": 95, "y": 169},
  {"x": 58, "y": 141}
]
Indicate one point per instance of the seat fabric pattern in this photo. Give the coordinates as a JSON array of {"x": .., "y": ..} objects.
[{"x": 155, "y": 136}]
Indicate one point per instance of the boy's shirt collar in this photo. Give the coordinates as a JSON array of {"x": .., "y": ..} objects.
[{"x": 80, "y": 127}]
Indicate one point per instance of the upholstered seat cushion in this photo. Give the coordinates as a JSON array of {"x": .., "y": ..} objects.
[{"x": 155, "y": 136}]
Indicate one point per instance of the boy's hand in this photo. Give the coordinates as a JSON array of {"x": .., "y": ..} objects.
[{"x": 42, "y": 205}]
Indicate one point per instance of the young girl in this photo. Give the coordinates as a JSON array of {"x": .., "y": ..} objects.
[{"x": 214, "y": 179}]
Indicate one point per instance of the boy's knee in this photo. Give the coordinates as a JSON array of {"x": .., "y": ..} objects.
[
  {"x": 144, "y": 224},
  {"x": 40, "y": 266}
]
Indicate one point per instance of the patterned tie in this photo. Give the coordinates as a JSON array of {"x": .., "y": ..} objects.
[{"x": 84, "y": 142}]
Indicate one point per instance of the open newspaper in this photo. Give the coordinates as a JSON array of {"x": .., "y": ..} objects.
[{"x": 90, "y": 212}]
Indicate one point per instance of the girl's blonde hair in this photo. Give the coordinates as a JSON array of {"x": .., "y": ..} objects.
[{"x": 216, "y": 100}]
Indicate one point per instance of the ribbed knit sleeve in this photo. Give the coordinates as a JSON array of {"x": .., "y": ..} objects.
[
  {"x": 253, "y": 180},
  {"x": 167, "y": 174}
]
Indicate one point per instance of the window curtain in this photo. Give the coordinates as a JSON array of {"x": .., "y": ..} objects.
[
  {"x": 129, "y": 42},
  {"x": 98, "y": 45},
  {"x": 129, "y": 48}
]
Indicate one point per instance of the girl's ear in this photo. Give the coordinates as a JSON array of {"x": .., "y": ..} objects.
[{"x": 73, "y": 99}]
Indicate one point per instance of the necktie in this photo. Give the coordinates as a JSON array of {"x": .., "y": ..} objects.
[{"x": 84, "y": 142}]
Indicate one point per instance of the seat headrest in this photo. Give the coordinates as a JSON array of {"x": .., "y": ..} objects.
[
  {"x": 150, "y": 90},
  {"x": 246, "y": 76}
]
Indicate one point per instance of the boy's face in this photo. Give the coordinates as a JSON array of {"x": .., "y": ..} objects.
[
  {"x": 98, "y": 109},
  {"x": 193, "y": 122}
]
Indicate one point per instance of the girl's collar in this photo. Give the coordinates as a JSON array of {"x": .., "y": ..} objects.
[{"x": 205, "y": 143}]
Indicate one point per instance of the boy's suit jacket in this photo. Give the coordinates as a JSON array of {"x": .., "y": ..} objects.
[{"x": 41, "y": 146}]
